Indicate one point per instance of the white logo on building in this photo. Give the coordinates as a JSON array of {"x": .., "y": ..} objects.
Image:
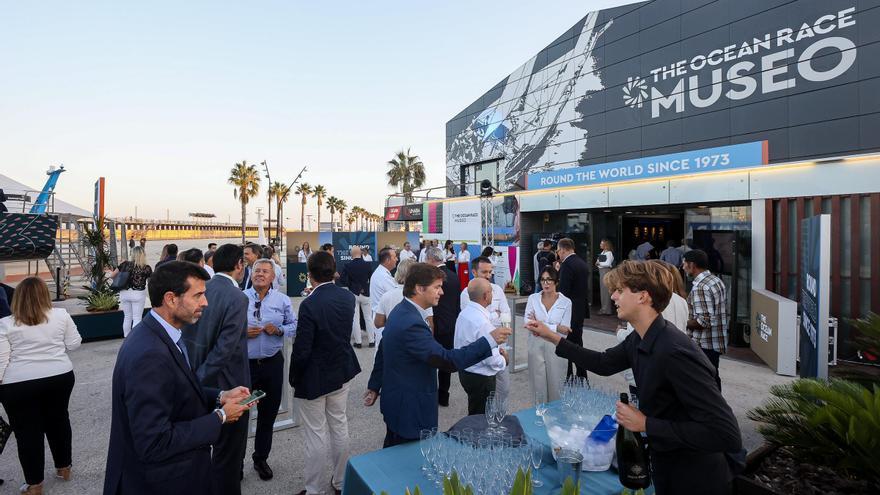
[{"x": 635, "y": 92}]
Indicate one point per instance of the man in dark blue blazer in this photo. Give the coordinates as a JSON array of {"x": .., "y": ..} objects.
[
  {"x": 356, "y": 276},
  {"x": 219, "y": 355},
  {"x": 321, "y": 365},
  {"x": 445, "y": 315},
  {"x": 405, "y": 370},
  {"x": 163, "y": 420}
]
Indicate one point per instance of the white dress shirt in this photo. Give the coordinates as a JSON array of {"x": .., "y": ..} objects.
[
  {"x": 472, "y": 324},
  {"x": 391, "y": 299},
  {"x": 368, "y": 258},
  {"x": 498, "y": 307},
  {"x": 609, "y": 260},
  {"x": 422, "y": 254},
  {"x": 422, "y": 312},
  {"x": 303, "y": 256},
  {"x": 39, "y": 351},
  {"x": 559, "y": 314},
  {"x": 381, "y": 282},
  {"x": 406, "y": 254},
  {"x": 209, "y": 270},
  {"x": 464, "y": 257},
  {"x": 279, "y": 276}
]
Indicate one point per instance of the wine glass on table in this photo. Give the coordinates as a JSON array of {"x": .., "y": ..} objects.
[
  {"x": 490, "y": 416},
  {"x": 540, "y": 408},
  {"x": 537, "y": 458},
  {"x": 500, "y": 414},
  {"x": 425, "y": 445}
]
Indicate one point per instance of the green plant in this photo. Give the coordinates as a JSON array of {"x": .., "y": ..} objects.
[
  {"x": 834, "y": 423},
  {"x": 570, "y": 488},
  {"x": 452, "y": 485},
  {"x": 100, "y": 299},
  {"x": 522, "y": 484},
  {"x": 867, "y": 338}
]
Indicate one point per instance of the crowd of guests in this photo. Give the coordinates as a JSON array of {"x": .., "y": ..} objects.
[{"x": 216, "y": 329}]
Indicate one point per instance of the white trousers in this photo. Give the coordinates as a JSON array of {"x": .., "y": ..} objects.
[
  {"x": 362, "y": 305},
  {"x": 132, "y": 303},
  {"x": 325, "y": 431},
  {"x": 546, "y": 369}
]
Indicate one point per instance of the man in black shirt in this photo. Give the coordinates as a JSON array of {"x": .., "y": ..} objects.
[
  {"x": 688, "y": 423},
  {"x": 544, "y": 258}
]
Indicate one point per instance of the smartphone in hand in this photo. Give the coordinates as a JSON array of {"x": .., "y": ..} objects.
[{"x": 254, "y": 397}]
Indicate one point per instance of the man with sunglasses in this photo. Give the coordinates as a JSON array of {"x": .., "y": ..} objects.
[{"x": 270, "y": 321}]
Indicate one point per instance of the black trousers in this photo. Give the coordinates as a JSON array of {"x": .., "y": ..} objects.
[
  {"x": 392, "y": 439},
  {"x": 714, "y": 357},
  {"x": 444, "y": 378},
  {"x": 266, "y": 375},
  {"x": 477, "y": 388},
  {"x": 577, "y": 336},
  {"x": 227, "y": 458},
  {"x": 38, "y": 408}
]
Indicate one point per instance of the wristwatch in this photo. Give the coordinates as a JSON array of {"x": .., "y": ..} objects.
[
  {"x": 219, "y": 398},
  {"x": 221, "y": 414}
]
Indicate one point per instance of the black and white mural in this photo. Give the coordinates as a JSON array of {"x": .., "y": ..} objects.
[{"x": 666, "y": 76}]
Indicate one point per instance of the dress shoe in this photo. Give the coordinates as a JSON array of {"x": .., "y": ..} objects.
[
  {"x": 372, "y": 344},
  {"x": 443, "y": 402},
  {"x": 63, "y": 473},
  {"x": 263, "y": 469},
  {"x": 337, "y": 492},
  {"x": 359, "y": 346},
  {"x": 31, "y": 489}
]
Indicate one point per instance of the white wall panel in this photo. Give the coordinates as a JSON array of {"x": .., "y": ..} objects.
[
  {"x": 727, "y": 187},
  {"x": 816, "y": 180},
  {"x": 594, "y": 197},
  {"x": 539, "y": 202},
  {"x": 646, "y": 193}
]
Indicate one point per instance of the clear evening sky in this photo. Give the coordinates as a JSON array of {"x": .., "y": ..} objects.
[{"x": 162, "y": 98}]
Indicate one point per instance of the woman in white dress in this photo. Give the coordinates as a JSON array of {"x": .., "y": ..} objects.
[
  {"x": 546, "y": 369},
  {"x": 305, "y": 252}
]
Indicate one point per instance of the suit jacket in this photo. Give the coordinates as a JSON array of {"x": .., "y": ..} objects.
[
  {"x": 356, "y": 276},
  {"x": 446, "y": 311},
  {"x": 322, "y": 360},
  {"x": 574, "y": 274},
  {"x": 690, "y": 426},
  {"x": 161, "y": 427},
  {"x": 405, "y": 370},
  {"x": 245, "y": 280},
  {"x": 218, "y": 344}
]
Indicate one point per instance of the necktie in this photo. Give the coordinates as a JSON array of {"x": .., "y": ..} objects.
[{"x": 182, "y": 347}]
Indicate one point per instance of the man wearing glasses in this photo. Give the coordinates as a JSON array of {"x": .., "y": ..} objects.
[{"x": 270, "y": 320}]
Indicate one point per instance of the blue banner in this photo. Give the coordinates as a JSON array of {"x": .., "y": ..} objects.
[
  {"x": 708, "y": 160},
  {"x": 343, "y": 242},
  {"x": 813, "y": 302}
]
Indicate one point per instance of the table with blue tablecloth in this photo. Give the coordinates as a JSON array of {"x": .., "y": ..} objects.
[{"x": 395, "y": 469}]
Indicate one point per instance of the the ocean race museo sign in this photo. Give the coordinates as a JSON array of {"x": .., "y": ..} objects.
[
  {"x": 734, "y": 72},
  {"x": 718, "y": 159},
  {"x": 814, "y": 297}
]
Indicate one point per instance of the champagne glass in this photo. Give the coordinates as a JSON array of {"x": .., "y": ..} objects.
[
  {"x": 425, "y": 446},
  {"x": 500, "y": 414},
  {"x": 490, "y": 416},
  {"x": 537, "y": 457},
  {"x": 540, "y": 408}
]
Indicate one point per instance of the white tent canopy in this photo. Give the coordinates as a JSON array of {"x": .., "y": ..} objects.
[{"x": 11, "y": 186}]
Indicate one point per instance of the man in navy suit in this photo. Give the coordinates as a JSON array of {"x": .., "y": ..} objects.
[
  {"x": 574, "y": 273},
  {"x": 219, "y": 355},
  {"x": 322, "y": 364},
  {"x": 162, "y": 423},
  {"x": 356, "y": 276},
  {"x": 405, "y": 371},
  {"x": 445, "y": 315}
]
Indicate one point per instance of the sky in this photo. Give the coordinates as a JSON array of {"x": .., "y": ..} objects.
[{"x": 162, "y": 98}]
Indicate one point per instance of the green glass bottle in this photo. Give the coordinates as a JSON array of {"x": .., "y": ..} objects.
[{"x": 633, "y": 467}]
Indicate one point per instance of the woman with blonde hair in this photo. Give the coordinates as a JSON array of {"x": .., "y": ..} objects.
[
  {"x": 36, "y": 379},
  {"x": 132, "y": 298}
]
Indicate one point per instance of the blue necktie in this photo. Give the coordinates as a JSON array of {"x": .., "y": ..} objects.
[{"x": 182, "y": 347}]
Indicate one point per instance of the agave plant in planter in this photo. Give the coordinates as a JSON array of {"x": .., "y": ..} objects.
[{"x": 100, "y": 297}]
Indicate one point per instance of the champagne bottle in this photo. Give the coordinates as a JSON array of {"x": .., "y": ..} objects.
[{"x": 632, "y": 458}]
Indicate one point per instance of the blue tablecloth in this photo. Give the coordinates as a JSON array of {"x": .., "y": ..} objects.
[{"x": 395, "y": 469}]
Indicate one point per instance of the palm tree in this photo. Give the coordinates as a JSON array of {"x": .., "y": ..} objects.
[
  {"x": 332, "y": 206},
  {"x": 304, "y": 190},
  {"x": 341, "y": 206},
  {"x": 282, "y": 194},
  {"x": 246, "y": 180},
  {"x": 352, "y": 217},
  {"x": 319, "y": 192},
  {"x": 356, "y": 213},
  {"x": 407, "y": 172}
]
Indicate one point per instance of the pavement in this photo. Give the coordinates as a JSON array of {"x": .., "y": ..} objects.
[{"x": 745, "y": 386}]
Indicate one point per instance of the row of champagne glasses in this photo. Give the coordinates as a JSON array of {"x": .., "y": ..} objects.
[
  {"x": 496, "y": 411},
  {"x": 488, "y": 463}
]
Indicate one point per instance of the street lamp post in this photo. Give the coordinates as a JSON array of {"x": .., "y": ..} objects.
[
  {"x": 269, "y": 199},
  {"x": 280, "y": 220}
]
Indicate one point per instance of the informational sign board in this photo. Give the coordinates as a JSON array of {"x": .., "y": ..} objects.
[
  {"x": 98, "y": 209},
  {"x": 815, "y": 289},
  {"x": 774, "y": 331},
  {"x": 406, "y": 213}
]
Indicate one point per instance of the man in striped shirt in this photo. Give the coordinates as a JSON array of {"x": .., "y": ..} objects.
[{"x": 707, "y": 304}]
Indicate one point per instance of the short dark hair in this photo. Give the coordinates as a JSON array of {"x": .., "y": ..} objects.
[
  {"x": 487, "y": 251},
  {"x": 257, "y": 250},
  {"x": 211, "y": 244},
  {"x": 193, "y": 255},
  {"x": 565, "y": 243},
  {"x": 327, "y": 247},
  {"x": 385, "y": 254},
  {"x": 551, "y": 273},
  {"x": 670, "y": 243},
  {"x": 173, "y": 277},
  {"x": 698, "y": 257},
  {"x": 421, "y": 274},
  {"x": 208, "y": 255},
  {"x": 479, "y": 259},
  {"x": 322, "y": 266},
  {"x": 226, "y": 257},
  {"x": 172, "y": 250},
  {"x": 547, "y": 243}
]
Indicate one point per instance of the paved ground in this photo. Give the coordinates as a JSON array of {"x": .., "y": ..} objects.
[{"x": 745, "y": 386}]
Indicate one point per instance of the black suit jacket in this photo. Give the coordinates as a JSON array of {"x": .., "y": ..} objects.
[
  {"x": 574, "y": 274},
  {"x": 446, "y": 311},
  {"x": 356, "y": 276},
  {"x": 161, "y": 426},
  {"x": 322, "y": 360},
  {"x": 245, "y": 280},
  {"x": 218, "y": 343},
  {"x": 690, "y": 426}
]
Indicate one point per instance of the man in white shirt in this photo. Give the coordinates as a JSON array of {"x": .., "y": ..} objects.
[
  {"x": 499, "y": 310},
  {"x": 473, "y": 323},
  {"x": 381, "y": 281},
  {"x": 406, "y": 253}
]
